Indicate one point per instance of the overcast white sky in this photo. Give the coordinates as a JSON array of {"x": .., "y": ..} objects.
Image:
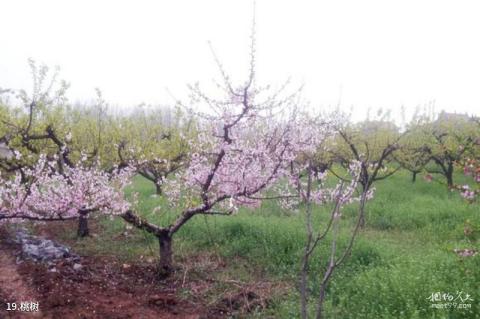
[{"x": 373, "y": 53}]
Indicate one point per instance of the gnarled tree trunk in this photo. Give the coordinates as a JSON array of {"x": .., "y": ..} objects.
[
  {"x": 166, "y": 255},
  {"x": 164, "y": 236},
  {"x": 83, "y": 229},
  {"x": 158, "y": 188},
  {"x": 449, "y": 175}
]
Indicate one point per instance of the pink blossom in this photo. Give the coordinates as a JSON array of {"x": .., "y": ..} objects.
[{"x": 51, "y": 195}]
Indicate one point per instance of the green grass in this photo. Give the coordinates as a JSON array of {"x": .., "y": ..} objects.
[{"x": 404, "y": 254}]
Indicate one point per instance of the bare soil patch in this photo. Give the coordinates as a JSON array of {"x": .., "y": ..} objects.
[
  {"x": 102, "y": 288},
  {"x": 106, "y": 287}
]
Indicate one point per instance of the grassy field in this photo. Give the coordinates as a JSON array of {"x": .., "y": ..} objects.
[{"x": 405, "y": 253}]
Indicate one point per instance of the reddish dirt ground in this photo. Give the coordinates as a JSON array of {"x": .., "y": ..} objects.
[
  {"x": 102, "y": 289},
  {"x": 106, "y": 288}
]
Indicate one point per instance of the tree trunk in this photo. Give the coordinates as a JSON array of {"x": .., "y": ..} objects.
[
  {"x": 414, "y": 177},
  {"x": 365, "y": 188},
  {"x": 362, "y": 222},
  {"x": 83, "y": 230},
  {"x": 166, "y": 253},
  {"x": 158, "y": 188},
  {"x": 321, "y": 300},
  {"x": 449, "y": 175}
]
